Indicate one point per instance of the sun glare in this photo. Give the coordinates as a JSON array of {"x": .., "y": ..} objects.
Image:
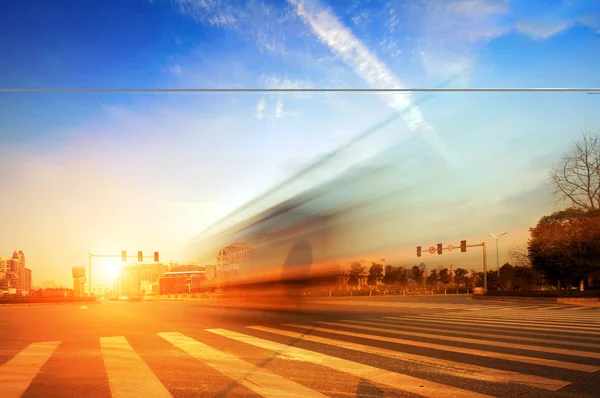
[{"x": 111, "y": 269}]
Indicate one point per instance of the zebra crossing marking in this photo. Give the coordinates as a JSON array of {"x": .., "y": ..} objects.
[
  {"x": 452, "y": 368},
  {"x": 506, "y": 325},
  {"x": 17, "y": 374},
  {"x": 380, "y": 376},
  {"x": 573, "y": 322},
  {"x": 128, "y": 374},
  {"x": 255, "y": 378},
  {"x": 491, "y": 354},
  {"x": 464, "y": 324},
  {"x": 546, "y": 325},
  {"x": 478, "y": 334},
  {"x": 491, "y": 343}
]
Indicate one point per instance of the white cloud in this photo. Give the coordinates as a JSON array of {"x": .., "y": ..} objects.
[
  {"x": 361, "y": 17},
  {"x": 255, "y": 21},
  {"x": 451, "y": 32},
  {"x": 279, "y": 109},
  {"x": 175, "y": 69},
  {"x": 211, "y": 12},
  {"x": 260, "y": 108},
  {"x": 540, "y": 30},
  {"x": 330, "y": 30}
]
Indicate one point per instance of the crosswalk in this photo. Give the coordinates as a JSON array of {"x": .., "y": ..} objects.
[
  {"x": 454, "y": 306},
  {"x": 451, "y": 354}
]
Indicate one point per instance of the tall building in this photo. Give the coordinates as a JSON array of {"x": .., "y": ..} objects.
[
  {"x": 234, "y": 257},
  {"x": 27, "y": 281}
]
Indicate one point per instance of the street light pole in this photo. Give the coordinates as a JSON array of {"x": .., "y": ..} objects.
[{"x": 497, "y": 253}]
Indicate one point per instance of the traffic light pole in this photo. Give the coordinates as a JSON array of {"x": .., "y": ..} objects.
[
  {"x": 484, "y": 246},
  {"x": 463, "y": 247},
  {"x": 90, "y": 256}
]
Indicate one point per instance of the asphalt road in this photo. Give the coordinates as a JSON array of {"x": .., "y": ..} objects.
[{"x": 357, "y": 347}]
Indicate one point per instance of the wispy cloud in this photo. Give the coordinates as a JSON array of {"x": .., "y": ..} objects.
[
  {"x": 360, "y": 18},
  {"x": 257, "y": 21},
  {"x": 260, "y": 108},
  {"x": 540, "y": 30},
  {"x": 450, "y": 33},
  {"x": 279, "y": 109},
  {"x": 331, "y": 31},
  {"x": 175, "y": 69}
]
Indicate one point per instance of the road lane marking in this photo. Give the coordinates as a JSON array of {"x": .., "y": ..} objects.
[
  {"x": 128, "y": 375},
  {"x": 577, "y": 317},
  {"x": 477, "y": 334},
  {"x": 257, "y": 379},
  {"x": 492, "y": 354},
  {"x": 463, "y": 324},
  {"x": 380, "y": 376},
  {"x": 546, "y": 325},
  {"x": 452, "y": 368},
  {"x": 527, "y": 317},
  {"x": 83, "y": 307},
  {"x": 551, "y": 350},
  {"x": 17, "y": 374},
  {"x": 505, "y": 325}
]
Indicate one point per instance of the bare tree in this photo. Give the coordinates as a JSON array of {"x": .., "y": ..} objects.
[
  {"x": 576, "y": 178},
  {"x": 519, "y": 256}
]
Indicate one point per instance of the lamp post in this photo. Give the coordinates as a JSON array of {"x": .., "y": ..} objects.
[{"x": 497, "y": 255}]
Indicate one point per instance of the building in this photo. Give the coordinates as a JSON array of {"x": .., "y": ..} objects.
[
  {"x": 27, "y": 281},
  {"x": 235, "y": 257},
  {"x": 13, "y": 274},
  {"x": 139, "y": 279}
]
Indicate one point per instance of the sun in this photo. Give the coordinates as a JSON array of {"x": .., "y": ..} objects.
[{"x": 111, "y": 270}]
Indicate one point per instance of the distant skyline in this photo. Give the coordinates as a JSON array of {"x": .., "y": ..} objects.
[{"x": 108, "y": 172}]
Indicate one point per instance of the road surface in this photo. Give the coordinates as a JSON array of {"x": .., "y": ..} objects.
[{"x": 444, "y": 346}]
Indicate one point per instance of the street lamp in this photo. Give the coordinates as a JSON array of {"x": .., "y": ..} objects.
[{"x": 497, "y": 255}]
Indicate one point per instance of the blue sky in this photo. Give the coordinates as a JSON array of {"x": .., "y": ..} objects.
[{"x": 105, "y": 172}]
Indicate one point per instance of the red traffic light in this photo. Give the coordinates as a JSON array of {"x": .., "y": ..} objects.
[
  {"x": 123, "y": 255},
  {"x": 155, "y": 257},
  {"x": 439, "y": 248},
  {"x": 140, "y": 257},
  {"x": 463, "y": 246},
  {"x": 418, "y": 251}
]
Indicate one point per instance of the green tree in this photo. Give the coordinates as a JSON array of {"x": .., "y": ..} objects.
[
  {"x": 390, "y": 275},
  {"x": 356, "y": 271},
  {"x": 507, "y": 273},
  {"x": 401, "y": 277},
  {"x": 459, "y": 277},
  {"x": 565, "y": 246},
  {"x": 445, "y": 278},
  {"x": 433, "y": 279},
  {"x": 417, "y": 274},
  {"x": 375, "y": 274}
]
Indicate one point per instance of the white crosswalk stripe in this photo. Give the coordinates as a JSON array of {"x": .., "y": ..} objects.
[
  {"x": 16, "y": 375},
  {"x": 443, "y": 366},
  {"x": 128, "y": 374},
  {"x": 376, "y": 375},
  {"x": 259, "y": 380},
  {"x": 414, "y": 341}
]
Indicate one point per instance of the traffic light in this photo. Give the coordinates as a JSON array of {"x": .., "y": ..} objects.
[
  {"x": 463, "y": 246},
  {"x": 155, "y": 257},
  {"x": 439, "y": 250},
  {"x": 140, "y": 257},
  {"x": 418, "y": 251},
  {"x": 123, "y": 255}
]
